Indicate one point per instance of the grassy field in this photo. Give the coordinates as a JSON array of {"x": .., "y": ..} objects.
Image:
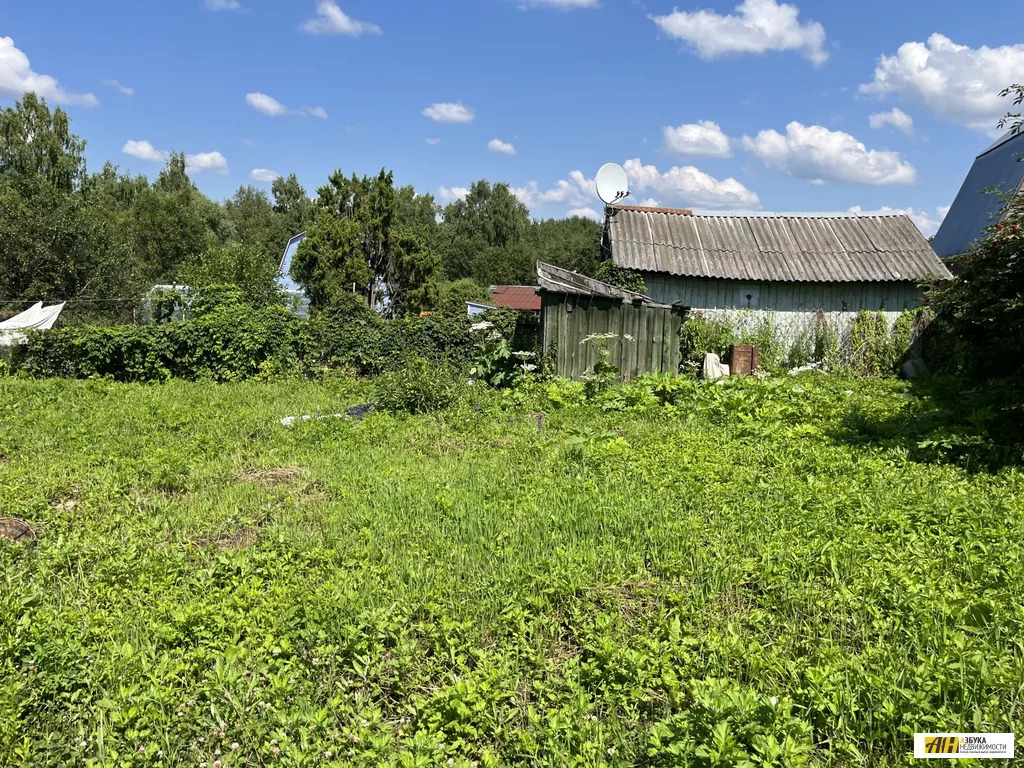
[{"x": 760, "y": 574}]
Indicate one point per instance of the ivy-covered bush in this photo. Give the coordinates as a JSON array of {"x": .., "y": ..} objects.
[{"x": 234, "y": 342}]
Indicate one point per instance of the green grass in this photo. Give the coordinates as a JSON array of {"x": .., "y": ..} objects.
[{"x": 753, "y": 574}]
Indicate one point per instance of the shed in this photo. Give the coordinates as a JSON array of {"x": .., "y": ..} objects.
[
  {"x": 643, "y": 333},
  {"x": 978, "y": 205},
  {"x": 795, "y": 266}
]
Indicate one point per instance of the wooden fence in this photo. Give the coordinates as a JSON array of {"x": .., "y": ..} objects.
[{"x": 646, "y": 336}]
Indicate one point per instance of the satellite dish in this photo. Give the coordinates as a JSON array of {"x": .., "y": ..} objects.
[{"x": 612, "y": 184}]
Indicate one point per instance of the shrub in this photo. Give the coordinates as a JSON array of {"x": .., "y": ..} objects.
[
  {"x": 611, "y": 273},
  {"x": 419, "y": 386},
  {"x": 699, "y": 335},
  {"x": 872, "y": 351}
]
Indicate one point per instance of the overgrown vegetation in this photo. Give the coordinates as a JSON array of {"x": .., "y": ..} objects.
[{"x": 775, "y": 573}]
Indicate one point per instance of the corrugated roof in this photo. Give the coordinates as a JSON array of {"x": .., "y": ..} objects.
[
  {"x": 976, "y": 207},
  {"x": 791, "y": 248},
  {"x": 558, "y": 280},
  {"x": 522, "y": 297}
]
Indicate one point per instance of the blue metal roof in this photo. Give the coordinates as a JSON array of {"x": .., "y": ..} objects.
[
  {"x": 284, "y": 276},
  {"x": 974, "y": 209}
]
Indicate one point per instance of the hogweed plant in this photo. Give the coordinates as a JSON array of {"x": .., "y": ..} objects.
[{"x": 604, "y": 375}]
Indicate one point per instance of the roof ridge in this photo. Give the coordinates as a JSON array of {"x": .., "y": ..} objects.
[{"x": 646, "y": 209}]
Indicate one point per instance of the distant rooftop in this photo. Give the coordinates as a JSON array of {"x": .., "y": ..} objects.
[
  {"x": 977, "y": 206},
  {"x": 521, "y": 297}
]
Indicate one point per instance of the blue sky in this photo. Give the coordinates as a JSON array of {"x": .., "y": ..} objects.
[{"x": 709, "y": 104}]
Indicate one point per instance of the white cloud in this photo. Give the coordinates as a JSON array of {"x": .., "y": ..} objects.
[
  {"x": 143, "y": 150},
  {"x": 451, "y": 194},
  {"x": 586, "y": 213},
  {"x": 956, "y": 83},
  {"x": 331, "y": 20},
  {"x": 268, "y": 105},
  {"x": 264, "y": 175},
  {"x": 562, "y": 5},
  {"x": 701, "y": 139},
  {"x": 122, "y": 88},
  {"x": 17, "y": 78},
  {"x": 758, "y": 26},
  {"x": 271, "y": 107},
  {"x": 433, "y": 142},
  {"x": 207, "y": 161},
  {"x": 815, "y": 153},
  {"x": 222, "y": 5},
  {"x": 686, "y": 186},
  {"x": 925, "y": 222},
  {"x": 448, "y": 112},
  {"x": 895, "y": 117},
  {"x": 501, "y": 147},
  {"x": 690, "y": 187}
]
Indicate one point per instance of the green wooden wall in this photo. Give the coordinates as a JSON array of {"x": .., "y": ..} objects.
[{"x": 567, "y": 320}]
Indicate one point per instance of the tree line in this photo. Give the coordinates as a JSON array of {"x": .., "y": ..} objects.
[{"x": 102, "y": 240}]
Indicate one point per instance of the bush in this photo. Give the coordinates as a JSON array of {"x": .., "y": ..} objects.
[
  {"x": 235, "y": 342},
  {"x": 611, "y": 273},
  {"x": 419, "y": 386},
  {"x": 699, "y": 335}
]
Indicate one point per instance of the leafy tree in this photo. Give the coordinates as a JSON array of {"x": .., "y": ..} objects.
[
  {"x": 613, "y": 274},
  {"x": 1013, "y": 120},
  {"x": 292, "y": 205},
  {"x": 37, "y": 143},
  {"x": 416, "y": 213},
  {"x": 356, "y": 242},
  {"x": 452, "y": 296},
  {"x": 573, "y": 243},
  {"x": 482, "y": 236},
  {"x": 236, "y": 264},
  {"x": 254, "y": 223},
  {"x": 174, "y": 222}
]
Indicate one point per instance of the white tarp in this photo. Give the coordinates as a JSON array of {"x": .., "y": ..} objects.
[{"x": 37, "y": 317}]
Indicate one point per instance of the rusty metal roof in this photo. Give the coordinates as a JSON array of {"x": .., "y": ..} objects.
[
  {"x": 557, "y": 280},
  {"x": 521, "y": 297},
  {"x": 791, "y": 248}
]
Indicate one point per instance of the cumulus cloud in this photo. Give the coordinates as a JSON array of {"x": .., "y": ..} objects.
[
  {"x": 683, "y": 186},
  {"x": 207, "y": 161},
  {"x": 222, "y": 5},
  {"x": 331, "y": 20},
  {"x": 815, "y": 153},
  {"x": 433, "y": 142},
  {"x": 451, "y": 194},
  {"x": 690, "y": 187},
  {"x": 895, "y": 117},
  {"x": 271, "y": 107},
  {"x": 143, "y": 150},
  {"x": 701, "y": 139},
  {"x": 264, "y": 175},
  {"x": 268, "y": 105},
  {"x": 17, "y": 78},
  {"x": 956, "y": 83},
  {"x": 924, "y": 221},
  {"x": 199, "y": 162},
  {"x": 585, "y": 213},
  {"x": 122, "y": 88},
  {"x": 448, "y": 112},
  {"x": 757, "y": 26},
  {"x": 501, "y": 147}
]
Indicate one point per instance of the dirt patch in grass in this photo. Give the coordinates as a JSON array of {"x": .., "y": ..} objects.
[{"x": 270, "y": 477}]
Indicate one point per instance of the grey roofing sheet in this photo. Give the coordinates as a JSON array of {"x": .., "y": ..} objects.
[
  {"x": 559, "y": 280},
  {"x": 975, "y": 207},
  {"x": 842, "y": 248}
]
